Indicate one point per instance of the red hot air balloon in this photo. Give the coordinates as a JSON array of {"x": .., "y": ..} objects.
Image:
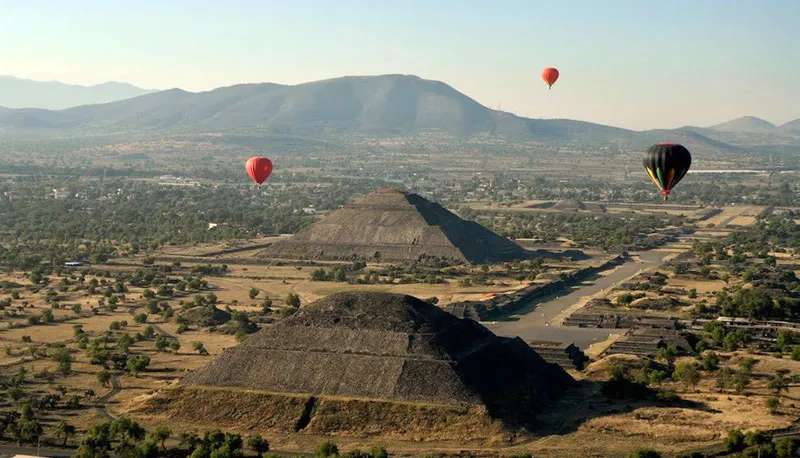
[
  {"x": 550, "y": 75},
  {"x": 259, "y": 168}
]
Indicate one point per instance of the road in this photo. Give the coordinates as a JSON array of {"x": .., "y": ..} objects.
[
  {"x": 100, "y": 405},
  {"x": 542, "y": 321},
  {"x": 10, "y": 450},
  {"x": 135, "y": 309}
]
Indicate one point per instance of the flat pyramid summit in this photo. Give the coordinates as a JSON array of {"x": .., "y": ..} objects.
[
  {"x": 387, "y": 347},
  {"x": 395, "y": 225}
]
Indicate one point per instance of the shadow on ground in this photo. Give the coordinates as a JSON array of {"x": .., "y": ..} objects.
[{"x": 591, "y": 399}]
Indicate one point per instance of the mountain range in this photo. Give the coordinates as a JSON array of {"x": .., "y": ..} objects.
[
  {"x": 367, "y": 105},
  {"x": 54, "y": 95}
]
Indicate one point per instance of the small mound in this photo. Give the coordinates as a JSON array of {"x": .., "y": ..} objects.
[
  {"x": 602, "y": 367},
  {"x": 206, "y": 316},
  {"x": 570, "y": 204}
]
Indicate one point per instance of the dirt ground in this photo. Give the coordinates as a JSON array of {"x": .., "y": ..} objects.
[{"x": 584, "y": 423}]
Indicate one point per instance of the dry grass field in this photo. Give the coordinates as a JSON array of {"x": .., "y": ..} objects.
[{"x": 584, "y": 423}]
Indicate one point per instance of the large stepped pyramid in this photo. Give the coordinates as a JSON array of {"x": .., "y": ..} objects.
[
  {"x": 414, "y": 351},
  {"x": 384, "y": 354},
  {"x": 396, "y": 225}
]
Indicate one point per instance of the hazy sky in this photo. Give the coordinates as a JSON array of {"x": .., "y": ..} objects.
[{"x": 630, "y": 63}]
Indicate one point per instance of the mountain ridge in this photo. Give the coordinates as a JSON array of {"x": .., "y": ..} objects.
[
  {"x": 393, "y": 104},
  {"x": 18, "y": 93}
]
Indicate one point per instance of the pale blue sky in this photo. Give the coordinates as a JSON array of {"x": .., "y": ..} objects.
[{"x": 630, "y": 63}]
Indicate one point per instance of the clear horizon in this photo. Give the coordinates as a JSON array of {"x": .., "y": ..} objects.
[{"x": 622, "y": 63}]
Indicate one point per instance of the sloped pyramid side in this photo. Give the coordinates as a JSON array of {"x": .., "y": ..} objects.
[
  {"x": 395, "y": 225},
  {"x": 446, "y": 360}
]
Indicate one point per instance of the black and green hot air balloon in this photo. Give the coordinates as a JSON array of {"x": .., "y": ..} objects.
[{"x": 667, "y": 164}]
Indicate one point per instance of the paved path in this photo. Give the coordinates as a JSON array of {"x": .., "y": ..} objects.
[
  {"x": 10, "y": 450},
  {"x": 538, "y": 320},
  {"x": 100, "y": 405}
]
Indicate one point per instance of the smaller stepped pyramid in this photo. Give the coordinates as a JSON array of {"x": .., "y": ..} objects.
[
  {"x": 566, "y": 355},
  {"x": 570, "y": 204},
  {"x": 395, "y": 225}
]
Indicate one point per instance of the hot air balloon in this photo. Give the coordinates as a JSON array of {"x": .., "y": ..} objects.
[
  {"x": 550, "y": 75},
  {"x": 259, "y": 168},
  {"x": 666, "y": 164}
]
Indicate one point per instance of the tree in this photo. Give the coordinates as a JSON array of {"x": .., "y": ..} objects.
[
  {"x": 140, "y": 318},
  {"x": 778, "y": 383},
  {"x": 740, "y": 381},
  {"x": 137, "y": 364},
  {"x": 63, "y": 360},
  {"x": 124, "y": 342},
  {"x": 773, "y": 403},
  {"x": 786, "y": 448},
  {"x": 644, "y": 453},
  {"x": 152, "y": 307},
  {"x": 104, "y": 377},
  {"x": 161, "y": 434},
  {"x": 293, "y": 300},
  {"x": 786, "y": 339},
  {"x": 746, "y": 365},
  {"x": 258, "y": 444},
  {"x": 265, "y": 306},
  {"x": 65, "y": 430},
  {"x": 668, "y": 354},
  {"x": 757, "y": 438},
  {"x": 199, "y": 348},
  {"x": 710, "y": 361},
  {"x": 26, "y": 412},
  {"x": 253, "y": 293},
  {"x": 378, "y": 452},
  {"x": 326, "y": 449},
  {"x": 318, "y": 275},
  {"x": 161, "y": 342},
  {"x": 687, "y": 374},
  {"x": 47, "y": 316},
  {"x": 124, "y": 428},
  {"x": 29, "y": 432},
  {"x": 734, "y": 442}
]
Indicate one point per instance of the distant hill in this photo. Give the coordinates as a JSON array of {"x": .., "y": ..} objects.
[
  {"x": 361, "y": 105},
  {"x": 54, "y": 95},
  {"x": 745, "y": 124},
  {"x": 791, "y": 127}
]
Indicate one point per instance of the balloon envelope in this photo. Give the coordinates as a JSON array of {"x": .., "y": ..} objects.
[
  {"x": 259, "y": 168},
  {"x": 666, "y": 164},
  {"x": 550, "y": 75}
]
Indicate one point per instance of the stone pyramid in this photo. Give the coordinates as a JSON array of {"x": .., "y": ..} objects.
[
  {"x": 395, "y": 225},
  {"x": 387, "y": 347}
]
